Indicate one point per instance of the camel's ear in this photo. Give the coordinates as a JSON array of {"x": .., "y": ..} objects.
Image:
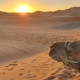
[{"x": 51, "y": 46}]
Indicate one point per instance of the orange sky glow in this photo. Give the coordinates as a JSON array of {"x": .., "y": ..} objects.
[{"x": 37, "y": 5}]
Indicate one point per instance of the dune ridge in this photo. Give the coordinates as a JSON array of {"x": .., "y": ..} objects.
[{"x": 73, "y": 11}]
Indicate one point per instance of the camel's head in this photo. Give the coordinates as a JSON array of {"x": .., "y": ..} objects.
[{"x": 69, "y": 54}]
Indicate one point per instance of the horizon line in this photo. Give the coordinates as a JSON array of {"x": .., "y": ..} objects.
[{"x": 42, "y": 11}]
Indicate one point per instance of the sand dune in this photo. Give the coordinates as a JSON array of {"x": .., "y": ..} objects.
[
  {"x": 25, "y": 43},
  {"x": 69, "y": 26},
  {"x": 10, "y": 53}
]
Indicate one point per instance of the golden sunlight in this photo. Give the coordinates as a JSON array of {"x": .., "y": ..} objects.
[{"x": 23, "y": 9}]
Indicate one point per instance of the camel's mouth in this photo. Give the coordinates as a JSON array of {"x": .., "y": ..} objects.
[{"x": 57, "y": 59}]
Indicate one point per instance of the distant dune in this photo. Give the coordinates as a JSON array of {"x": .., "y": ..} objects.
[{"x": 74, "y": 11}]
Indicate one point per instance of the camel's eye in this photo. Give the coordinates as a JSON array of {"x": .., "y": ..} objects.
[{"x": 69, "y": 53}]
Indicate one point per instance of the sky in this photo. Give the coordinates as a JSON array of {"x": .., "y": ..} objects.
[{"x": 38, "y": 5}]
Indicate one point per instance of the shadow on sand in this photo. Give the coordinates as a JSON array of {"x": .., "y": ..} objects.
[{"x": 68, "y": 26}]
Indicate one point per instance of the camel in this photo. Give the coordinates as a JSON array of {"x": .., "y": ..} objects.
[{"x": 66, "y": 52}]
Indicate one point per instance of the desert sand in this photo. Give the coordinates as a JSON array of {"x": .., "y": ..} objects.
[{"x": 25, "y": 44}]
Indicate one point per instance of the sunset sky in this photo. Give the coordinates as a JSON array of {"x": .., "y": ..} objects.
[{"x": 41, "y": 5}]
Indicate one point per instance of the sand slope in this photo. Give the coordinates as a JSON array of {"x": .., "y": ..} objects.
[{"x": 40, "y": 67}]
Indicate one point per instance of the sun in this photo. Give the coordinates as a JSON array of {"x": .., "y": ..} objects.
[{"x": 23, "y": 9}]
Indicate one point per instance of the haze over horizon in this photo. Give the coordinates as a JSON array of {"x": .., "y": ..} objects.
[{"x": 37, "y": 5}]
